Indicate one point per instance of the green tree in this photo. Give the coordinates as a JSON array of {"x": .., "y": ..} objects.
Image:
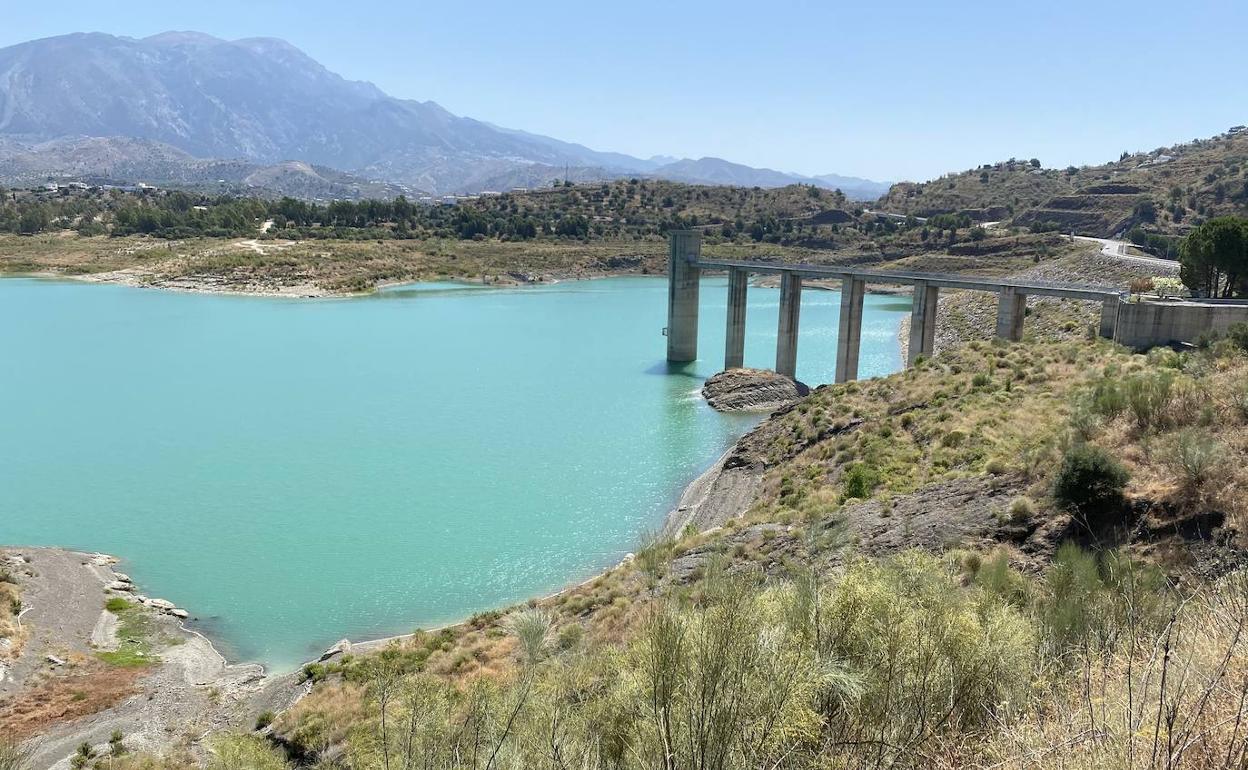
[
  {"x": 34, "y": 220},
  {"x": 1213, "y": 259}
]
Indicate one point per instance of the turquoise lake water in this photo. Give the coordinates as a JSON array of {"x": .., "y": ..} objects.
[{"x": 298, "y": 471}]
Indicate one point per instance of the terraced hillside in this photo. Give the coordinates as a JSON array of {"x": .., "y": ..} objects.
[{"x": 1165, "y": 191}]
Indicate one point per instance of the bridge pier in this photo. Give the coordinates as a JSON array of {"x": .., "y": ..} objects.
[
  {"x": 1109, "y": 317},
  {"x": 734, "y": 335},
  {"x": 923, "y": 322},
  {"x": 786, "y": 335},
  {"x": 683, "y": 278},
  {"x": 849, "y": 333},
  {"x": 1011, "y": 310}
]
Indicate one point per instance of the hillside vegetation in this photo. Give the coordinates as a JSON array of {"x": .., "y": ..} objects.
[
  {"x": 1165, "y": 191},
  {"x": 180, "y": 240}
]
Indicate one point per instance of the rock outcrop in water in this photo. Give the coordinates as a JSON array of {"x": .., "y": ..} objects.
[{"x": 751, "y": 390}]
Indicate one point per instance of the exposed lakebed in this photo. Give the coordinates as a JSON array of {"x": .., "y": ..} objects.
[{"x": 297, "y": 471}]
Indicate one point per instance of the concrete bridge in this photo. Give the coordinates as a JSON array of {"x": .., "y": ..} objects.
[{"x": 686, "y": 264}]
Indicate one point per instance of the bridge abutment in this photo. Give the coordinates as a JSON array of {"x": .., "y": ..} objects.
[{"x": 1109, "y": 317}]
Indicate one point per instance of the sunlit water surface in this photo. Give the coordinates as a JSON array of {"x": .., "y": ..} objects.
[{"x": 298, "y": 471}]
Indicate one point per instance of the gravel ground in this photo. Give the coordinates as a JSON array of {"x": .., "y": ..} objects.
[{"x": 192, "y": 691}]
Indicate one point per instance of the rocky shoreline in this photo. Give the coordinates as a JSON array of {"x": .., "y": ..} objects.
[
  {"x": 65, "y": 689},
  {"x": 221, "y": 285}
]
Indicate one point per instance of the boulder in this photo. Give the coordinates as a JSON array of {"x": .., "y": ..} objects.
[
  {"x": 162, "y": 604},
  {"x": 179, "y": 613},
  {"x": 343, "y": 647},
  {"x": 118, "y": 585},
  {"x": 751, "y": 390}
]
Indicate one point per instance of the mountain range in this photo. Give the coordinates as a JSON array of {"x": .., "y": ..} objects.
[{"x": 190, "y": 109}]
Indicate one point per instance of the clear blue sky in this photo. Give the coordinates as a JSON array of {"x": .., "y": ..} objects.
[{"x": 901, "y": 90}]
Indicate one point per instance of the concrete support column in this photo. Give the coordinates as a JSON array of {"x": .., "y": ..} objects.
[
  {"x": 1109, "y": 317},
  {"x": 786, "y": 335},
  {"x": 734, "y": 334},
  {"x": 923, "y": 322},
  {"x": 683, "y": 278},
  {"x": 849, "y": 334},
  {"x": 1011, "y": 310}
]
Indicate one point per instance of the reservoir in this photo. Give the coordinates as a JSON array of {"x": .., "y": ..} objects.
[{"x": 298, "y": 471}]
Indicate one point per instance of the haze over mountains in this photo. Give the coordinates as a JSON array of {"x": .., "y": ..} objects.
[{"x": 187, "y": 108}]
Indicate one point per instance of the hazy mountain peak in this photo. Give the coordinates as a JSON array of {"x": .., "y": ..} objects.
[
  {"x": 265, "y": 101},
  {"x": 175, "y": 37}
]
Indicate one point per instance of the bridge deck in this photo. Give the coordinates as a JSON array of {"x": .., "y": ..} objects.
[{"x": 943, "y": 280}]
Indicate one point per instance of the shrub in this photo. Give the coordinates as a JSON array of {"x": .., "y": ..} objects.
[
  {"x": 532, "y": 628},
  {"x": 997, "y": 466},
  {"x": 1238, "y": 334},
  {"x": 1167, "y": 287},
  {"x": 234, "y": 752},
  {"x": 1239, "y": 402},
  {"x": 12, "y": 755},
  {"x": 1108, "y": 398},
  {"x": 859, "y": 482},
  {"x": 570, "y": 636},
  {"x": 264, "y": 719},
  {"x": 1090, "y": 483},
  {"x": 1194, "y": 456},
  {"x": 1021, "y": 509},
  {"x": 1140, "y": 285},
  {"x": 1147, "y": 396},
  {"x": 1085, "y": 422},
  {"x": 654, "y": 554},
  {"x": 953, "y": 438}
]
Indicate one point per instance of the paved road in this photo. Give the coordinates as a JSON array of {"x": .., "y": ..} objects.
[{"x": 1118, "y": 250}]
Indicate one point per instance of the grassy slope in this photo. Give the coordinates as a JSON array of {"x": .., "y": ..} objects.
[{"x": 986, "y": 422}]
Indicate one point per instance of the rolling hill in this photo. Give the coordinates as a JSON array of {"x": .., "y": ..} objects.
[{"x": 1167, "y": 190}]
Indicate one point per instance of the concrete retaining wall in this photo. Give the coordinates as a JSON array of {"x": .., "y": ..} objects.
[{"x": 1147, "y": 324}]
